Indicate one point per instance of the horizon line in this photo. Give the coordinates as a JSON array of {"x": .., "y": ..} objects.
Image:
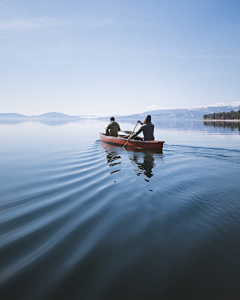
[{"x": 233, "y": 104}]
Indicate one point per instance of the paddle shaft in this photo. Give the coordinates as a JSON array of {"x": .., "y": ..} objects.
[{"x": 130, "y": 136}]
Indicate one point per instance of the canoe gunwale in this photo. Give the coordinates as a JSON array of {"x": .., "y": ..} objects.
[{"x": 120, "y": 141}]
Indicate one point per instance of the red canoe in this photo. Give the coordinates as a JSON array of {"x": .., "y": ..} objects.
[{"x": 121, "y": 141}]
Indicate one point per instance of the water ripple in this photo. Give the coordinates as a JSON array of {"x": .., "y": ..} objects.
[{"x": 118, "y": 218}]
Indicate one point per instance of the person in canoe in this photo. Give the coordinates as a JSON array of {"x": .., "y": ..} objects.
[
  {"x": 147, "y": 128},
  {"x": 112, "y": 128}
]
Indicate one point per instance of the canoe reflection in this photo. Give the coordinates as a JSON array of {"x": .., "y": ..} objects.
[
  {"x": 143, "y": 161},
  {"x": 111, "y": 159}
]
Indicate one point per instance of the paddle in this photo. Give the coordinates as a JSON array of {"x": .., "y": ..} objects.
[{"x": 125, "y": 146}]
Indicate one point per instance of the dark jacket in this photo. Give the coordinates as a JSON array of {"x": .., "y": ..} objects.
[
  {"x": 147, "y": 130},
  {"x": 114, "y": 128}
]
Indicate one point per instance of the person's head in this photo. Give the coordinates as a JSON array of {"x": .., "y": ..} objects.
[
  {"x": 112, "y": 119},
  {"x": 148, "y": 119}
]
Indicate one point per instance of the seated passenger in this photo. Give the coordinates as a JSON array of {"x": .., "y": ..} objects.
[
  {"x": 112, "y": 128},
  {"x": 147, "y": 128}
]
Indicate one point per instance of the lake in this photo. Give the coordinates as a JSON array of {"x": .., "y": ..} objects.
[{"x": 82, "y": 219}]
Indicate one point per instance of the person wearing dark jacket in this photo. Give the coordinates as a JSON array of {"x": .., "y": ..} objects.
[
  {"x": 147, "y": 128},
  {"x": 113, "y": 128}
]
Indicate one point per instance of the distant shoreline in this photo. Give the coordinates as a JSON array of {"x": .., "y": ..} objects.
[{"x": 217, "y": 120}]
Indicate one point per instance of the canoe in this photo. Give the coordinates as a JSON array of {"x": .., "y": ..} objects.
[{"x": 121, "y": 141}]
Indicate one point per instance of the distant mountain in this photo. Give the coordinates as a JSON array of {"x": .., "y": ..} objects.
[
  {"x": 11, "y": 115},
  {"x": 181, "y": 113},
  {"x": 177, "y": 113},
  {"x": 53, "y": 115},
  {"x": 50, "y": 115}
]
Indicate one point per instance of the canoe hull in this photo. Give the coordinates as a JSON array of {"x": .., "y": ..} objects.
[{"x": 121, "y": 141}]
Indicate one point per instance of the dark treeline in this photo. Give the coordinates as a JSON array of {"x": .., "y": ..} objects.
[
  {"x": 229, "y": 125},
  {"x": 223, "y": 116}
]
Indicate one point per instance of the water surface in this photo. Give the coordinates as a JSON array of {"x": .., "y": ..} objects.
[{"x": 82, "y": 219}]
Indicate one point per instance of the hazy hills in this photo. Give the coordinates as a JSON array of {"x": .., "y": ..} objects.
[
  {"x": 183, "y": 113},
  {"x": 178, "y": 113},
  {"x": 50, "y": 115},
  {"x": 52, "y": 118}
]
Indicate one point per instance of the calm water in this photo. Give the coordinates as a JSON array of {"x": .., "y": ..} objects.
[{"x": 81, "y": 219}]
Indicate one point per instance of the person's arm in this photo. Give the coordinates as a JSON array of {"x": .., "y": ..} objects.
[
  {"x": 137, "y": 133},
  {"x": 108, "y": 127},
  {"x": 119, "y": 129}
]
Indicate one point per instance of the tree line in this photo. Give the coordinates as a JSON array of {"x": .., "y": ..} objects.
[
  {"x": 229, "y": 125},
  {"x": 223, "y": 115}
]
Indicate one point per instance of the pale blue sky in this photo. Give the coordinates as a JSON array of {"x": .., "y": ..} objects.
[{"x": 117, "y": 57}]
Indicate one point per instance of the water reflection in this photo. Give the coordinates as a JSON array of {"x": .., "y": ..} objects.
[
  {"x": 223, "y": 124},
  {"x": 111, "y": 159},
  {"x": 143, "y": 162},
  {"x": 49, "y": 122}
]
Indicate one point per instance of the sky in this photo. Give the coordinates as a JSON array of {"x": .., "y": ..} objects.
[{"x": 117, "y": 57}]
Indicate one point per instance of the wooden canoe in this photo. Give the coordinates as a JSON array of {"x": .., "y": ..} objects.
[{"x": 121, "y": 141}]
